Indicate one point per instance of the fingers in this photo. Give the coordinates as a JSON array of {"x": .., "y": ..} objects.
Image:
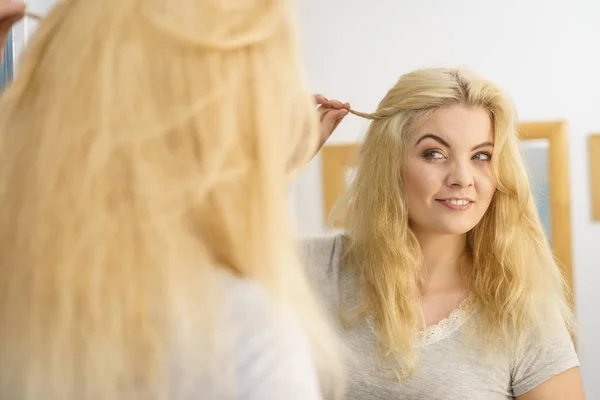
[
  {"x": 322, "y": 111},
  {"x": 321, "y": 100},
  {"x": 331, "y": 119},
  {"x": 326, "y": 114},
  {"x": 329, "y": 122},
  {"x": 325, "y": 102},
  {"x": 8, "y": 22},
  {"x": 339, "y": 105},
  {"x": 331, "y": 114},
  {"x": 11, "y": 10},
  {"x": 332, "y": 110},
  {"x": 336, "y": 104}
]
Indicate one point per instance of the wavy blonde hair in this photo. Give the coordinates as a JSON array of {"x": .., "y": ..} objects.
[
  {"x": 511, "y": 274},
  {"x": 143, "y": 148}
]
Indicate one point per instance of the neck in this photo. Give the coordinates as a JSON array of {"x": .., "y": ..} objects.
[{"x": 442, "y": 255}]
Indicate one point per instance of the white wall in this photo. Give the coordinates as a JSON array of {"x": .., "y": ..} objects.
[{"x": 545, "y": 53}]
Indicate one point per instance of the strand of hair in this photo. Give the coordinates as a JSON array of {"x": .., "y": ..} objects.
[
  {"x": 33, "y": 15},
  {"x": 365, "y": 115}
]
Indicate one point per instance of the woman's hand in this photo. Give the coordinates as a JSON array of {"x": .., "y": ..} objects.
[
  {"x": 10, "y": 13},
  {"x": 331, "y": 113}
]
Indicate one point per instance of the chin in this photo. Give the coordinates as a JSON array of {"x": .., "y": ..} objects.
[
  {"x": 456, "y": 231},
  {"x": 445, "y": 224},
  {"x": 454, "y": 228}
]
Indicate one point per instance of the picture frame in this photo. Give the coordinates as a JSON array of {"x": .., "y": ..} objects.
[{"x": 558, "y": 199}]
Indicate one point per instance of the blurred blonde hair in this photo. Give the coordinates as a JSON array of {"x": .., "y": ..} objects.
[
  {"x": 511, "y": 274},
  {"x": 143, "y": 148}
]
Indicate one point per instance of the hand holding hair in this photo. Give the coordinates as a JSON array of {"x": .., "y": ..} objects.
[{"x": 331, "y": 113}]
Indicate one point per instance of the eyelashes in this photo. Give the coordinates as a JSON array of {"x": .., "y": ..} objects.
[
  {"x": 438, "y": 155},
  {"x": 431, "y": 155},
  {"x": 486, "y": 156}
]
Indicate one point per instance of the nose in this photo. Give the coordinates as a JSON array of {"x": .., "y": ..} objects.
[{"x": 460, "y": 174}]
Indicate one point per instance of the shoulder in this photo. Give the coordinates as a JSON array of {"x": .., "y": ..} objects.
[
  {"x": 320, "y": 246},
  {"x": 270, "y": 347},
  {"x": 322, "y": 252},
  {"x": 241, "y": 294},
  {"x": 543, "y": 356},
  {"x": 253, "y": 313},
  {"x": 321, "y": 257}
]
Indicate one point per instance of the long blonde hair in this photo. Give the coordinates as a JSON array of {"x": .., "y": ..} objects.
[
  {"x": 512, "y": 276},
  {"x": 144, "y": 147}
]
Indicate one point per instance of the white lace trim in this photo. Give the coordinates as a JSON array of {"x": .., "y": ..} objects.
[
  {"x": 445, "y": 327},
  {"x": 442, "y": 329}
]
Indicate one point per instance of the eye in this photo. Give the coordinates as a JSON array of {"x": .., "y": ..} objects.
[
  {"x": 482, "y": 156},
  {"x": 433, "y": 155}
]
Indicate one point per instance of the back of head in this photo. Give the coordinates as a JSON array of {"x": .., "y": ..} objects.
[
  {"x": 511, "y": 274},
  {"x": 144, "y": 147}
]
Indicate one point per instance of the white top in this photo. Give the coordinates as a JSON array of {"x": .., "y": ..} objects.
[
  {"x": 450, "y": 367},
  {"x": 268, "y": 355}
]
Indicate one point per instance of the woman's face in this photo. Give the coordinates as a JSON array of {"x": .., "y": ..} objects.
[{"x": 447, "y": 173}]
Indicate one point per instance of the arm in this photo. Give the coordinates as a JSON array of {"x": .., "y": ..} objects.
[
  {"x": 548, "y": 369},
  {"x": 564, "y": 386},
  {"x": 330, "y": 114}
]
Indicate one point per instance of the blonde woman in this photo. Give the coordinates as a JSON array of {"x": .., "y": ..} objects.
[
  {"x": 145, "y": 251},
  {"x": 443, "y": 284}
]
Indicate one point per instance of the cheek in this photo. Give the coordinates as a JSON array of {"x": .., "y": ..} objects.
[
  {"x": 421, "y": 181},
  {"x": 486, "y": 186}
]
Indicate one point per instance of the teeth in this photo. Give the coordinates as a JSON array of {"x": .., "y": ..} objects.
[{"x": 457, "y": 202}]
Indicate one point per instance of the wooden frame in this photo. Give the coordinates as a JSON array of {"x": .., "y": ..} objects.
[
  {"x": 560, "y": 193},
  {"x": 594, "y": 154},
  {"x": 337, "y": 159}
]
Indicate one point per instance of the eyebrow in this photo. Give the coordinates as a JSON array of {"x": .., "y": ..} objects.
[{"x": 443, "y": 142}]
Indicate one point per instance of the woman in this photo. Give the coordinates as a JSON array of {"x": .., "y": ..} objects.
[
  {"x": 444, "y": 284},
  {"x": 145, "y": 251}
]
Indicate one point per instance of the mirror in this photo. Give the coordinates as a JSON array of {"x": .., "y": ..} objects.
[
  {"x": 536, "y": 157},
  {"x": 544, "y": 148}
]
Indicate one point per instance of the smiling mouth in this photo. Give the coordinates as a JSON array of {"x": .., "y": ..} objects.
[{"x": 456, "y": 204}]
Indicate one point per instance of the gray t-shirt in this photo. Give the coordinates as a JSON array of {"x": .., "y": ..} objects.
[{"x": 448, "y": 369}]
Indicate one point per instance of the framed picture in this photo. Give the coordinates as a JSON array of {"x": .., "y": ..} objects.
[{"x": 545, "y": 151}]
